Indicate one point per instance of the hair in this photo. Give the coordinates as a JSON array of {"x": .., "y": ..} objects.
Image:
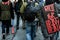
[
  {"x": 4, "y": 0},
  {"x": 19, "y": 1},
  {"x": 57, "y": 1}
]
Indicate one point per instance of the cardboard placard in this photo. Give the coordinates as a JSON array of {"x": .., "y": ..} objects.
[{"x": 51, "y": 19}]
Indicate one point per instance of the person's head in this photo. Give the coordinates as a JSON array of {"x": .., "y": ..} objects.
[
  {"x": 57, "y": 1},
  {"x": 19, "y": 0},
  {"x": 4, "y": 0}
]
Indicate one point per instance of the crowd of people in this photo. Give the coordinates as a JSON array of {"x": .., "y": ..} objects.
[{"x": 31, "y": 13}]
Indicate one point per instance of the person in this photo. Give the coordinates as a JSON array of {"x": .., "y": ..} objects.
[
  {"x": 24, "y": 3},
  {"x": 41, "y": 3},
  {"x": 12, "y": 20},
  {"x": 6, "y": 11},
  {"x": 17, "y": 10},
  {"x": 30, "y": 13},
  {"x": 47, "y": 36}
]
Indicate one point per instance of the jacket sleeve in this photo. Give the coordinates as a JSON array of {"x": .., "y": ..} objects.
[{"x": 12, "y": 11}]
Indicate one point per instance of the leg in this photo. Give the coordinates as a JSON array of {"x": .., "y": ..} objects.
[
  {"x": 7, "y": 26},
  {"x": 54, "y": 36},
  {"x": 7, "y": 30},
  {"x": 23, "y": 25},
  {"x": 44, "y": 30},
  {"x": 32, "y": 32},
  {"x": 17, "y": 22},
  {"x": 3, "y": 30},
  {"x": 33, "y": 29},
  {"x": 28, "y": 31}
]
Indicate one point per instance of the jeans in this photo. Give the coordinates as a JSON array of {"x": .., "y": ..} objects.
[{"x": 30, "y": 30}]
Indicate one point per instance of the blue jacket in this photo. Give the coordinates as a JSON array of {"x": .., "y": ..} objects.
[{"x": 41, "y": 2}]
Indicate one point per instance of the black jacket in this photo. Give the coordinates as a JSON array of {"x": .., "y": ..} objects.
[{"x": 47, "y": 2}]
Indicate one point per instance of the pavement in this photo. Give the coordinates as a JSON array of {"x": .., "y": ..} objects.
[{"x": 21, "y": 34}]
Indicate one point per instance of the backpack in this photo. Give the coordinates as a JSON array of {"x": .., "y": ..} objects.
[
  {"x": 5, "y": 12},
  {"x": 23, "y": 6},
  {"x": 30, "y": 11}
]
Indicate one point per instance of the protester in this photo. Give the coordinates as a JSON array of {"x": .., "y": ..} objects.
[
  {"x": 6, "y": 11},
  {"x": 17, "y": 11}
]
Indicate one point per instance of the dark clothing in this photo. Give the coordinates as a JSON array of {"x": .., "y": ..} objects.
[
  {"x": 30, "y": 18},
  {"x": 8, "y": 11},
  {"x": 47, "y": 2},
  {"x": 5, "y": 24},
  {"x": 11, "y": 11},
  {"x": 4, "y": 0},
  {"x": 31, "y": 11},
  {"x": 18, "y": 20},
  {"x": 57, "y": 1},
  {"x": 17, "y": 10}
]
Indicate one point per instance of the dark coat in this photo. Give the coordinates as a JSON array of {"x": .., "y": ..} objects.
[{"x": 10, "y": 10}]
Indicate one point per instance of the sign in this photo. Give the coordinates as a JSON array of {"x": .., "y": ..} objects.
[{"x": 51, "y": 19}]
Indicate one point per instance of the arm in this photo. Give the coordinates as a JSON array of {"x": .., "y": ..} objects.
[{"x": 12, "y": 11}]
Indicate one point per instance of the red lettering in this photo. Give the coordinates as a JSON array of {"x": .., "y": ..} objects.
[
  {"x": 48, "y": 25},
  {"x": 49, "y": 7},
  {"x": 46, "y": 8}
]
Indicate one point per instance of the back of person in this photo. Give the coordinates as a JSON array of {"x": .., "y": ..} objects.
[
  {"x": 5, "y": 11},
  {"x": 18, "y": 5},
  {"x": 30, "y": 11},
  {"x": 28, "y": 14}
]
